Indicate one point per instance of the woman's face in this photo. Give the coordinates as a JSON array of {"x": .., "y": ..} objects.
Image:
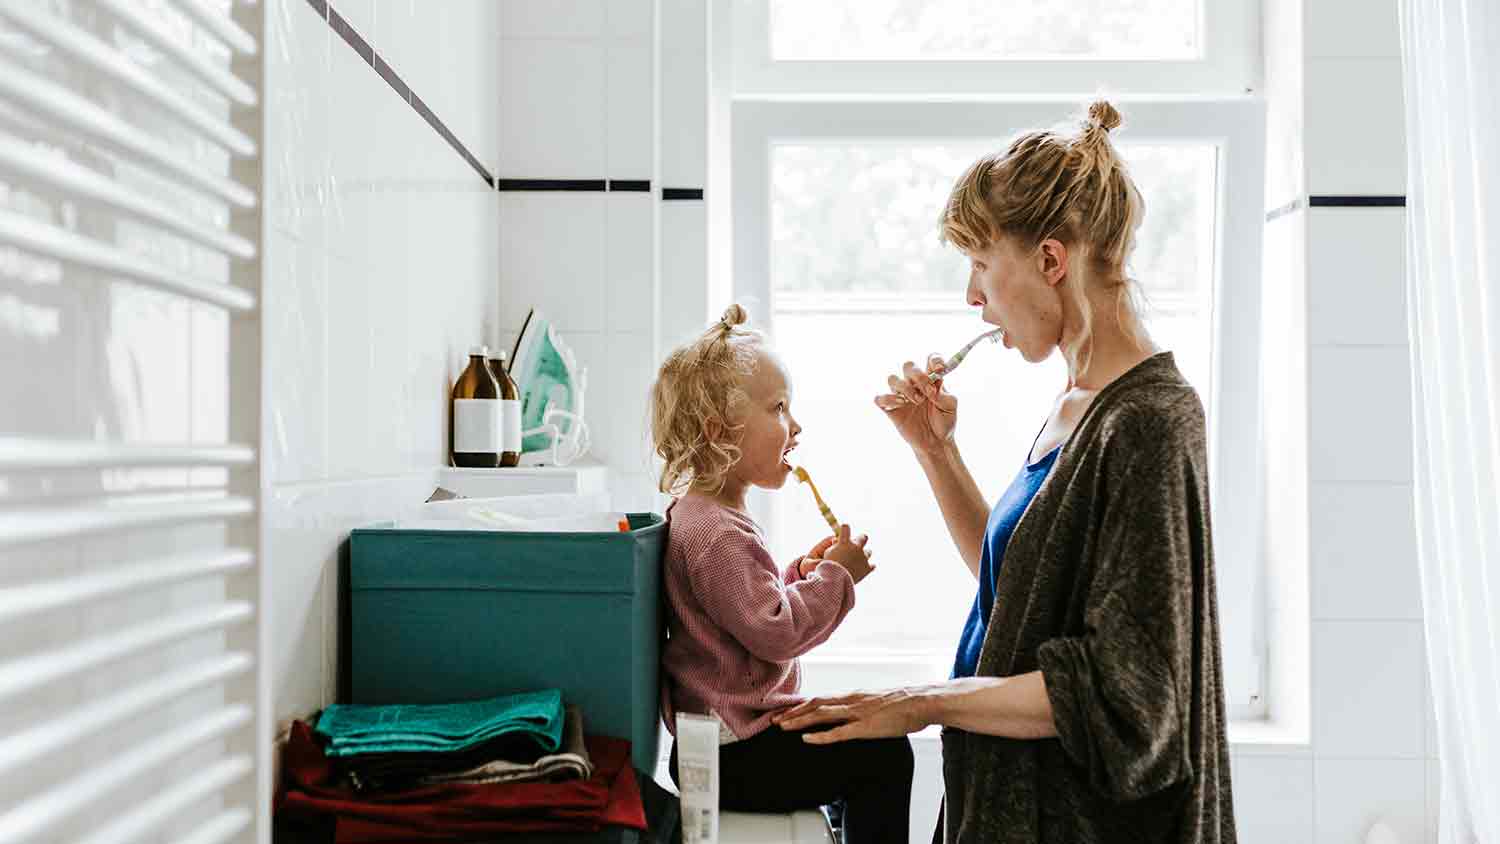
[
  {"x": 1019, "y": 290},
  {"x": 770, "y": 431}
]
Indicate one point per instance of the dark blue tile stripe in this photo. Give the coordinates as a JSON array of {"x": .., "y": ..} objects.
[
  {"x": 550, "y": 184},
  {"x": 1338, "y": 201},
  {"x": 350, "y": 37},
  {"x": 682, "y": 193},
  {"x": 1357, "y": 201}
]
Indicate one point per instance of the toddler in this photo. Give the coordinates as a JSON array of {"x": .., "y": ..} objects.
[{"x": 736, "y": 622}]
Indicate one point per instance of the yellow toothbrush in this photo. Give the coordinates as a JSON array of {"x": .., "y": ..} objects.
[{"x": 828, "y": 516}]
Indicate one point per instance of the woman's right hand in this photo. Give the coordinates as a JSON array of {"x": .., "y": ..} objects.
[{"x": 923, "y": 412}]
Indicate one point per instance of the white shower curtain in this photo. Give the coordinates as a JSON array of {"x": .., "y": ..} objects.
[{"x": 1451, "y": 56}]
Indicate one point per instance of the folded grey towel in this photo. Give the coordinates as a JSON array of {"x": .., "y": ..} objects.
[{"x": 570, "y": 762}]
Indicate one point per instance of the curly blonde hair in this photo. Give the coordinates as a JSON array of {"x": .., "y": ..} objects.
[
  {"x": 694, "y": 402},
  {"x": 1074, "y": 188}
]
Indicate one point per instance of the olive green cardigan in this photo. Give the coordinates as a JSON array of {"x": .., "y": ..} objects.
[{"x": 1107, "y": 587}]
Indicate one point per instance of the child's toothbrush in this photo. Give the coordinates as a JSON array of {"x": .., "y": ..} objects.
[{"x": 822, "y": 506}]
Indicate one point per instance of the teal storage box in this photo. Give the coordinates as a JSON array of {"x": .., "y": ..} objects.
[{"x": 437, "y": 616}]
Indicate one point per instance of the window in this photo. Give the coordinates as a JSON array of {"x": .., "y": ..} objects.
[
  {"x": 994, "y": 47},
  {"x": 835, "y": 250},
  {"x": 982, "y": 30}
]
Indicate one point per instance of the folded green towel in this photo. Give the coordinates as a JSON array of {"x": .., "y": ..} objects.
[{"x": 355, "y": 729}]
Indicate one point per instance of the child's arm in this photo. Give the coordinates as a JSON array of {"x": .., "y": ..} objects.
[{"x": 740, "y": 588}]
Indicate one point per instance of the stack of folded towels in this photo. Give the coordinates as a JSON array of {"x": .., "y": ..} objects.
[{"x": 458, "y": 772}]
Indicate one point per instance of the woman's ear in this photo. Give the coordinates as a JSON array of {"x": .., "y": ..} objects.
[{"x": 1052, "y": 261}]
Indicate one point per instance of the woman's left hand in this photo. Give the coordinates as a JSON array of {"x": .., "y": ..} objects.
[{"x": 860, "y": 715}]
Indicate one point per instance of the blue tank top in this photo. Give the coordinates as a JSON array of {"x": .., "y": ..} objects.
[{"x": 997, "y": 531}]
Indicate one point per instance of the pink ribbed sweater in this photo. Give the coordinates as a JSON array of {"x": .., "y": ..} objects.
[{"x": 736, "y": 623}]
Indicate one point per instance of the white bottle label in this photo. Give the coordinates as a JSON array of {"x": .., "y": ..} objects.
[
  {"x": 510, "y": 425},
  {"x": 476, "y": 425},
  {"x": 698, "y": 773}
]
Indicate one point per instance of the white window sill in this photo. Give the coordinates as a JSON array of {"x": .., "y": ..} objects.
[{"x": 1264, "y": 737}]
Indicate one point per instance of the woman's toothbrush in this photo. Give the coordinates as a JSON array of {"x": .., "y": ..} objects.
[
  {"x": 993, "y": 335},
  {"x": 952, "y": 363},
  {"x": 828, "y": 516}
]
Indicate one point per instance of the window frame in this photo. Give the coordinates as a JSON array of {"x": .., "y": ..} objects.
[
  {"x": 1236, "y": 126},
  {"x": 1229, "y": 63}
]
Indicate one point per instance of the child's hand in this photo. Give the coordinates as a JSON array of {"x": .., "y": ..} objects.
[{"x": 850, "y": 554}]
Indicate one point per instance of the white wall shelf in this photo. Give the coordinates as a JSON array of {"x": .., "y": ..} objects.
[{"x": 583, "y": 478}]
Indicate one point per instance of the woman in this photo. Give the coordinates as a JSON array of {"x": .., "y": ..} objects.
[{"x": 1086, "y": 703}]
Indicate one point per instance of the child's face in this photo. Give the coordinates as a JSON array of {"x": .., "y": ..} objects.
[{"x": 770, "y": 431}]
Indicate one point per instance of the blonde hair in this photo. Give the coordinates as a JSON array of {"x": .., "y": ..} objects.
[
  {"x": 1074, "y": 188},
  {"x": 693, "y": 402}
]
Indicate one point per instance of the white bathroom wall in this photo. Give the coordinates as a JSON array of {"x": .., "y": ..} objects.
[
  {"x": 381, "y": 267},
  {"x": 1334, "y": 273},
  {"x": 593, "y": 151}
]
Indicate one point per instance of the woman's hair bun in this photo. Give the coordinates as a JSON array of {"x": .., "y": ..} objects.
[
  {"x": 733, "y": 315},
  {"x": 1103, "y": 115}
]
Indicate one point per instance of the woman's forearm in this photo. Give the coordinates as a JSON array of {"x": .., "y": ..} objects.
[
  {"x": 1012, "y": 707},
  {"x": 958, "y": 496}
]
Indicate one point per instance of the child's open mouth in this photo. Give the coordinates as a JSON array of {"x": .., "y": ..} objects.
[{"x": 786, "y": 464}]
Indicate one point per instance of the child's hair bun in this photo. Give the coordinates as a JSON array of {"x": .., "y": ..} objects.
[{"x": 733, "y": 315}]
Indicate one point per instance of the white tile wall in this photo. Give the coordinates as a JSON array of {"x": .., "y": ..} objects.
[
  {"x": 1352, "y": 795},
  {"x": 684, "y": 272},
  {"x": 551, "y": 18},
  {"x": 552, "y": 108},
  {"x": 1356, "y": 260},
  {"x": 1273, "y": 799},
  {"x": 1360, "y": 403},
  {"x": 628, "y": 261},
  {"x": 1367, "y": 694},
  {"x": 628, "y": 19},
  {"x": 1335, "y": 127},
  {"x": 684, "y": 118},
  {"x": 1352, "y": 28},
  {"x": 1354, "y": 120},
  {"x": 380, "y": 271},
  {"x": 630, "y": 117},
  {"x": 552, "y": 257},
  {"x": 683, "y": 24},
  {"x": 1363, "y": 552}
]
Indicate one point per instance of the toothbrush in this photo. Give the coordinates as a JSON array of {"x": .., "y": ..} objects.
[
  {"x": 952, "y": 363},
  {"x": 993, "y": 335},
  {"x": 828, "y": 516}
]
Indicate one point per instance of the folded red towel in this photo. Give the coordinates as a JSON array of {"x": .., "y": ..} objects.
[{"x": 460, "y": 811}]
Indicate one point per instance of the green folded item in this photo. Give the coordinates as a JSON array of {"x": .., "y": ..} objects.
[{"x": 355, "y": 729}]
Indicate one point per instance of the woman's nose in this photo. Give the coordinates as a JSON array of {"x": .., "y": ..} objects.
[{"x": 973, "y": 296}]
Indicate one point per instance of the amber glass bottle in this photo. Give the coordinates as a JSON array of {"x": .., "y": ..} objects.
[
  {"x": 510, "y": 411},
  {"x": 474, "y": 425}
]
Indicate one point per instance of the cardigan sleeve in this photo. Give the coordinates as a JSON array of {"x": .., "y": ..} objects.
[{"x": 1121, "y": 692}]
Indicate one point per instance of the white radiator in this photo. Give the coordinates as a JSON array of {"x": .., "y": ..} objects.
[{"x": 134, "y": 702}]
